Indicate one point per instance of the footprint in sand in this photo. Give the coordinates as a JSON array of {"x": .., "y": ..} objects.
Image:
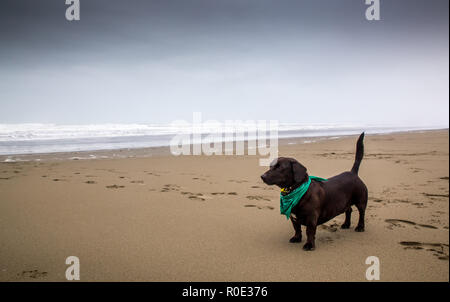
[
  {"x": 259, "y": 207},
  {"x": 376, "y": 200},
  {"x": 34, "y": 274},
  {"x": 115, "y": 187},
  {"x": 255, "y": 197},
  {"x": 326, "y": 239},
  {"x": 151, "y": 173},
  {"x": 169, "y": 188},
  {"x": 238, "y": 181},
  {"x": 198, "y": 178},
  {"x": 398, "y": 222},
  {"x": 440, "y": 250},
  {"x": 330, "y": 228},
  {"x": 198, "y": 196},
  {"x": 419, "y": 205},
  {"x": 90, "y": 182},
  {"x": 218, "y": 193},
  {"x": 436, "y": 195},
  {"x": 140, "y": 182},
  {"x": 401, "y": 200},
  {"x": 266, "y": 188},
  {"x": 223, "y": 193}
]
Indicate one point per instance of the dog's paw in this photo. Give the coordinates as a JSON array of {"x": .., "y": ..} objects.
[
  {"x": 309, "y": 247},
  {"x": 359, "y": 228},
  {"x": 345, "y": 226},
  {"x": 295, "y": 239}
]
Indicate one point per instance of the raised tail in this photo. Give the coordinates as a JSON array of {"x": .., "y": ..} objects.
[{"x": 359, "y": 153}]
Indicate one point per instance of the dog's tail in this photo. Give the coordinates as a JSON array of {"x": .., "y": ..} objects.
[{"x": 359, "y": 153}]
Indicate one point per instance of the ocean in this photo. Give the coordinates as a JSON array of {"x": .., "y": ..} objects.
[{"x": 48, "y": 138}]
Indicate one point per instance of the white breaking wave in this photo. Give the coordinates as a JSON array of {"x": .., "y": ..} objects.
[{"x": 25, "y": 132}]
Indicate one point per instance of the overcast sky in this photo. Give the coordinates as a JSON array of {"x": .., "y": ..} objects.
[{"x": 309, "y": 61}]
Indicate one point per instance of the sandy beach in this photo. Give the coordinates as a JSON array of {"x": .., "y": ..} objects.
[{"x": 157, "y": 217}]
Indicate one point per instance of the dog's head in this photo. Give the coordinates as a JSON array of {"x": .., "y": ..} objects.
[{"x": 284, "y": 172}]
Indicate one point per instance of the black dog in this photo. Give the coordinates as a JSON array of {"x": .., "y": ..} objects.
[{"x": 323, "y": 200}]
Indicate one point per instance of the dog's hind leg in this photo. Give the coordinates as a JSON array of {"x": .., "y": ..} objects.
[
  {"x": 361, "y": 206},
  {"x": 360, "y": 226},
  {"x": 348, "y": 216},
  {"x": 298, "y": 230}
]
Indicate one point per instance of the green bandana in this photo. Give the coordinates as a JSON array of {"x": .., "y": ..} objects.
[{"x": 287, "y": 202}]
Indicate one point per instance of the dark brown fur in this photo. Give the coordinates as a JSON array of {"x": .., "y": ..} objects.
[{"x": 323, "y": 200}]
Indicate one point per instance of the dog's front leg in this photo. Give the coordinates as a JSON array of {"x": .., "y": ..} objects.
[
  {"x": 310, "y": 236},
  {"x": 298, "y": 230}
]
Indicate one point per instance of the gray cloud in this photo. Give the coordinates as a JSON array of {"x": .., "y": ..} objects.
[{"x": 155, "y": 61}]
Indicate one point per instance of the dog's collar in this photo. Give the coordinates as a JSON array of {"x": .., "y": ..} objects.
[
  {"x": 285, "y": 190},
  {"x": 288, "y": 200},
  {"x": 289, "y": 190}
]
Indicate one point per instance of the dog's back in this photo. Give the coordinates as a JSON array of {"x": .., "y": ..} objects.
[{"x": 342, "y": 191}]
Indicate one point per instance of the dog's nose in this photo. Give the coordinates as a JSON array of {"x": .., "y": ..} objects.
[{"x": 263, "y": 177}]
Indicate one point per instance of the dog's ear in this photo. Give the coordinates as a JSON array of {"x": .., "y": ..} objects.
[{"x": 298, "y": 170}]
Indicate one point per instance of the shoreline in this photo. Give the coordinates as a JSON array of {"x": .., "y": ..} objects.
[{"x": 140, "y": 152}]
